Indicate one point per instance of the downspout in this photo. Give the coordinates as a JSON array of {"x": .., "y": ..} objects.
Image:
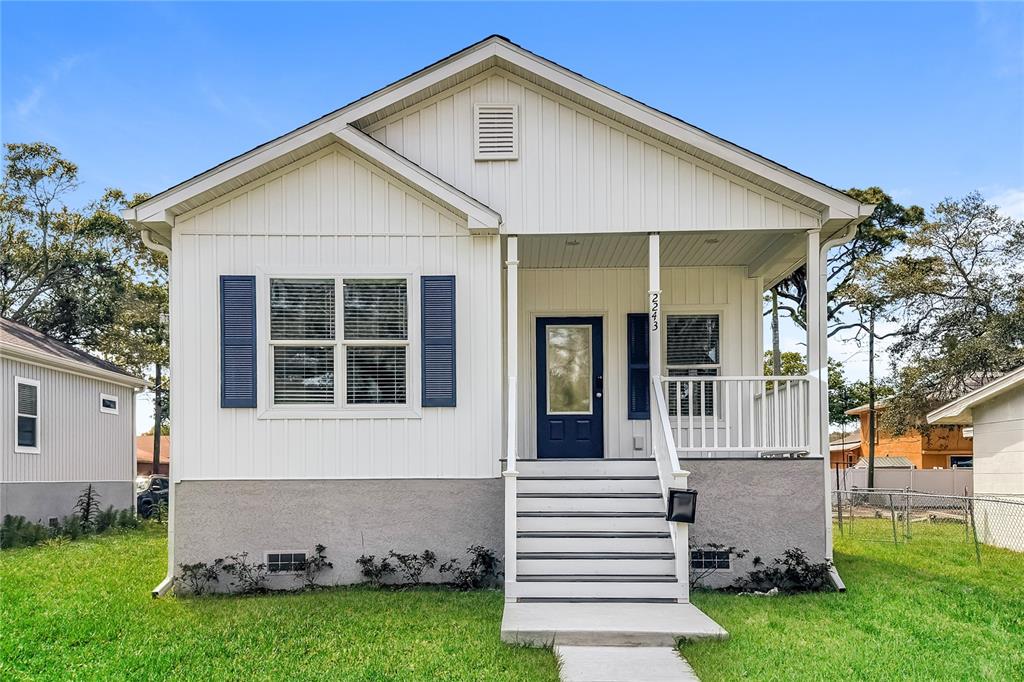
[
  {"x": 822, "y": 302},
  {"x": 162, "y": 588}
]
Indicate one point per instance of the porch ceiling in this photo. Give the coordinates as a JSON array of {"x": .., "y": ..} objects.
[{"x": 769, "y": 254}]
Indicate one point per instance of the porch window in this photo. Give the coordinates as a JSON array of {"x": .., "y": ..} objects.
[
  {"x": 692, "y": 350},
  {"x": 370, "y": 352}
]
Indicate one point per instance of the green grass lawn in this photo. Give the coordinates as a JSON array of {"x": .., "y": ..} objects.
[
  {"x": 83, "y": 611},
  {"x": 918, "y": 611}
]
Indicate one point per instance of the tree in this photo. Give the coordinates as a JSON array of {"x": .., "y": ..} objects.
[
  {"x": 961, "y": 306},
  {"x": 842, "y": 395},
  {"x": 885, "y": 229},
  {"x": 80, "y": 276}
]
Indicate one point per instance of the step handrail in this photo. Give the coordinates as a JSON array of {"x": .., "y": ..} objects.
[{"x": 670, "y": 475}]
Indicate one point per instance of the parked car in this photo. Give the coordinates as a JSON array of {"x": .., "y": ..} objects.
[{"x": 153, "y": 492}]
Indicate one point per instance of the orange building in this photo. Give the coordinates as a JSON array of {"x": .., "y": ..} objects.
[
  {"x": 144, "y": 455},
  {"x": 942, "y": 448}
]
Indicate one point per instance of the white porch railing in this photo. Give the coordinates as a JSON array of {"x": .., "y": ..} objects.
[
  {"x": 670, "y": 475},
  {"x": 742, "y": 414}
]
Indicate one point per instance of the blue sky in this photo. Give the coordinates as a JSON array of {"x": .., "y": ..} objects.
[{"x": 925, "y": 100}]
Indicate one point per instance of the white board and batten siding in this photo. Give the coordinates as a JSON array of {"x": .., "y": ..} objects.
[
  {"x": 612, "y": 293},
  {"x": 77, "y": 442},
  {"x": 333, "y": 213},
  {"x": 577, "y": 171}
]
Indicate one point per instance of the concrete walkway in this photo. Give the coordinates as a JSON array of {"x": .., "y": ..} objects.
[{"x": 622, "y": 664}]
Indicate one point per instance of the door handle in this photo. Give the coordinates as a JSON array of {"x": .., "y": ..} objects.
[{"x": 600, "y": 386}]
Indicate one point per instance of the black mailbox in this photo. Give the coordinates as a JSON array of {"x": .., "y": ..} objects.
[{"x": 682, "y": 505}]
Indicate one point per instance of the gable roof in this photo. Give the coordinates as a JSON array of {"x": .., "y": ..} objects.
[
  {"x": 157, "y": 212},
  {"x": 959, "y": 411},
  {"x": 24, "y": 343}
]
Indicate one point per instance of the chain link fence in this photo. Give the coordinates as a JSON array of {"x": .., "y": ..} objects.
[{"x": 900, "y": 515}]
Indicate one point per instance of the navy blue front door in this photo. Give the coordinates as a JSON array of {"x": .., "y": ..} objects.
[{"x": 570, "y": 378}]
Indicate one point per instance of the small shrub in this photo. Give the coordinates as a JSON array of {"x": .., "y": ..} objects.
[
  {"x": 17, "y": 531},
  {"x": 791, "y": 574},
  {"x": 159, "y": 513},
  {"x": 71, "y": 527},
  {"x": 314, "y": 565},
  {"x": 127, "y": 520},
  {"x": 105, "y": 519},
  {"x": 412, "y": 566},
  {"x": 481, "y": 571},
  {"x": 88, "y": 508},
  {"x": 373, "y": 570},
  {"x": 248, "y": 577},
  {"x": 198, "y": 576}
]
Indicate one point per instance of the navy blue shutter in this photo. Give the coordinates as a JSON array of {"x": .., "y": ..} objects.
[
  {"x": 438, "y": 304},
  {"x": 237, "y": 341},
  {"x": 638, "y": 368}
]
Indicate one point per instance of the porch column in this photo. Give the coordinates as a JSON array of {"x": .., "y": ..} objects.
[
  {"x": 816, "y": 367},
  {"x": 512, "y": 345},
  {"x": 512, "y": 365},
  {"x": 654, "y": 294}
]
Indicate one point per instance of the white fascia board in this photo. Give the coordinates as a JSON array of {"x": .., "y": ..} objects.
[
  {"x": 42, "y": 359},
  {"x": 479, "y": 216},
  {"x": 959, "y": 411}
]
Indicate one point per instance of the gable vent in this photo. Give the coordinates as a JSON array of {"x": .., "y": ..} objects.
[{"x": 495, "y": 131}]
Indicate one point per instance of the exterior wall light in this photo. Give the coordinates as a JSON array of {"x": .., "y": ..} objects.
[{"x": 682, "y": 505}]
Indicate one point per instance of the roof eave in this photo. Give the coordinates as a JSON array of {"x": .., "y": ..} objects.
[{"x": 43, "y": 359}]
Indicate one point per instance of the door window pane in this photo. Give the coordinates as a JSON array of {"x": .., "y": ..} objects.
[{"x": 570, "y": 369}]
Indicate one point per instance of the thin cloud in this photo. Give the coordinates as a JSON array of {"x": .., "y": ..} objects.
[
  {"x": 1010, "y": 203},
  {"x": 28, "y": 105}
]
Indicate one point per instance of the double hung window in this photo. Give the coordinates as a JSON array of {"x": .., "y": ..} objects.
[{"x": 361, "y": 361}]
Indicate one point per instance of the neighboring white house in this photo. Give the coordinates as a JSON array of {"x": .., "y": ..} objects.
[
  {"x": 495, "y": 303},
  {"x": 995, "y": 412},
  {"x": 69, "y": 420}
]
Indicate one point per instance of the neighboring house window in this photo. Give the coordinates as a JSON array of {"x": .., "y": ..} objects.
[
  {"x": 26, "y": 415},
  {"x": 285, "y": 562},
  {"x": 369, "y": 349},
  {"x": 692, "y": 350},
  {"x": 108, "y": 403},
  {"x": 961, "y": 461},
  {"x": 703, "y": 559}
]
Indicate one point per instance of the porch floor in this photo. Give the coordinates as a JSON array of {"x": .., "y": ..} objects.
[{"x": 605, "y": 624}]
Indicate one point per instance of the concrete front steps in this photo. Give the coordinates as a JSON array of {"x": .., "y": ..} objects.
[
  {"x": 595, "y": 563},
  {"x": 592, "y": 529}
]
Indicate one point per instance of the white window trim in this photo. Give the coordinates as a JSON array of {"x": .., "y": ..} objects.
[
  {"x": 695, "y": 311},
  {"x": 732, "y": 560},
  {"x": 266, "y": 560},
  {"x": 117, "y": 404},
  {"x": 266, "y": 409},
  {"x": 37, "y": 416}
]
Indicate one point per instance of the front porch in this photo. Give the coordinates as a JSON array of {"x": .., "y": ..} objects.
[{"x": 624, "y": 354}]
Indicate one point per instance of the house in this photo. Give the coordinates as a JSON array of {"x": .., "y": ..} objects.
[
  {"x": 995, "y": 415},
  {"x": 943, "y": 447},
  {"x": 144, "y": 455},
  {"x": 495, "y": 303},
  {"x": 844, "y": 450},
  {"x": 887, "y": 462},
  {"x": 69, "y": 422}
]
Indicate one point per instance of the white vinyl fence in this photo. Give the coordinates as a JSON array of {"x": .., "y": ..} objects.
[{"x": 934, "y": 481}]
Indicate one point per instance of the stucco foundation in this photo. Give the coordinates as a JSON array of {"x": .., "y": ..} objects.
[
  {"x": 39, "y": 502},
  {"x": 214, "y": 519},
  {"x": 764, "y": 505}
]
